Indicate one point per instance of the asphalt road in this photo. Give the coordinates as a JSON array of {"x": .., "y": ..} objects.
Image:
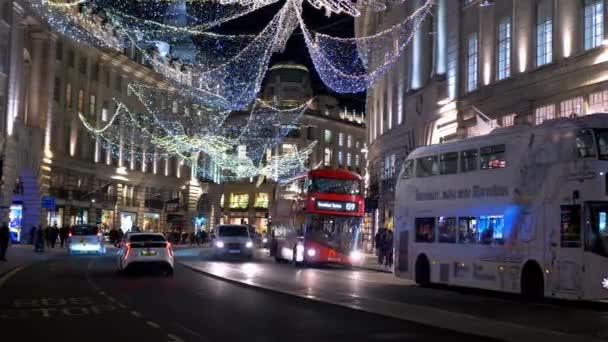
[{"x": 83, "y": 298}]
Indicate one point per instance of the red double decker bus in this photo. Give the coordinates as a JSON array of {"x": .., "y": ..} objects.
[{"x": 317, "y": 218}]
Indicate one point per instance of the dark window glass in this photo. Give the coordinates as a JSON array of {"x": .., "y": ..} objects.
[
  {"x": 570, "y": 235},
  {"x": 602, "y": 143},
  {"x": 596, "y": 230},
  {"x": 427, "y": 166},
  {"x": 232, "y": 230},
  {"x": 467, "y": 230},
  {"x": 146, "y": 237},
  {"x": 448, "y": 163},
  {"x": 71, "y": 58},
  {"x": 492, "y": 157},
  {"x": 336, "y": 186},
  {"x": 468, "y": 160},
  {"x": 84, "y": 230},
  {"x": 57, "y": 89},
  {"x": 83, "y": 65},
  {"x": 585, "y": 144},
  {"x": 408, "y": 169},
  {"x": 446, "y": 227},
  {"x": 491, "y": 229},
  {"x": 425, "y": 229},
  {"x": 59, "y": 51}
]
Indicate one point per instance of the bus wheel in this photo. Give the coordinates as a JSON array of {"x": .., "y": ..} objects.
[
  {"x": 532, "y": 282},
  {"x": 423, "y": 271}
]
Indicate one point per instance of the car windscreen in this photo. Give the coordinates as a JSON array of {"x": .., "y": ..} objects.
[
  {"x": 233, "y": 231},
  {"x": 84, "y": 230},
  {"x": 147, "y": 238}
]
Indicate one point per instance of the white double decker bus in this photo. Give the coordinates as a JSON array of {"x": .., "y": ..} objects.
[{"x": 522, "y": 209}]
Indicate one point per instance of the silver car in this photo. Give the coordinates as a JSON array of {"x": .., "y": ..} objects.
[
  {"x": 83, "y": 239},
  {"x": 232, "y": 240}
]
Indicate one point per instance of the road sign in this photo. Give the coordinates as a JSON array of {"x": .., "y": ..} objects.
[{"x": 48, "y": 202}]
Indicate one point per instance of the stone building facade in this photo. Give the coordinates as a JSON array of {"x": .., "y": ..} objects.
[
  {"x": 46, "y": 81},
  {"x": 474, "y": 65}
]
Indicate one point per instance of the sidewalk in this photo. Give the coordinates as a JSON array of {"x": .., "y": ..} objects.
[
  {"x": 20, "y": 255},
  {"x": 370, "y": 262}
]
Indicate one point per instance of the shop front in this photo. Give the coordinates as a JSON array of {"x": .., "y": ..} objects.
[
  {"x": 151, "y": 222},
  {"x": 106, "y": 220},
  {"x": 78, "y": 215},
  {"x": 128, "y": 220},
  {"x": 55, "y": 217},
  {"x": 15, "y": 221}
]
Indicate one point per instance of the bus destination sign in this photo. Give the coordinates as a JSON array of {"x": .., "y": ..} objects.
[{"x": 336, "y": 206}]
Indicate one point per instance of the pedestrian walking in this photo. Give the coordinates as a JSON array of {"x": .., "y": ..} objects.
[
  {"x": 388, "y": 248},
  {"x": 379, "y": 239},
  {"x": 33, "y": 235},
  {"x": 54, "y": 234},
  {"x": 5, "y": 237},
  {"x": 63, "y": 235},
  {"x": 40, "y": 240}
]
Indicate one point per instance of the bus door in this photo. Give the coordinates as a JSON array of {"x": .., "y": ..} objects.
[
  {"x": 596, "y": 250},
  {"x": 568, "y": 251}
]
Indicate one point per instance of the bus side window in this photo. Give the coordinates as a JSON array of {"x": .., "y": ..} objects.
[
  {"x": 446, "y": 227},
  {"x": 425, "y": 229},
  {"x": 467, "y": 230},
  {"x": 585, "y": 145},
  {"x": 492, "y": 157},
  {"x": 427, "y": 166},
  {"x": 491, "y": 229},
  {"x": 448, "y": 163},
  {"x": 468, "y": 160},
  {"x": 408, "y": 169}
]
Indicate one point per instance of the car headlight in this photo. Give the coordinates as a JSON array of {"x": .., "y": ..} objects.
[
  {"x": 249, "y": 244},
  {"x": 219, "y": 244},
  {"x": 311, "y": 252},
  {"x": 355, "y": 255}
]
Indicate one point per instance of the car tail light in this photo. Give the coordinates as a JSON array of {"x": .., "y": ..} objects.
[
  {"x": 128, "y": 244},
  {"x": 169, "y": 250}
]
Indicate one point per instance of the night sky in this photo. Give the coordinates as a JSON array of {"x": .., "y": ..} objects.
[{"x": 296, "y": 51}]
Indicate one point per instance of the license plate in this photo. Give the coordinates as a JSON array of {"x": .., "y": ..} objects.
[
  {"x": 334, "y": 259},
  {"x": 234, "y": 251},
  {"x": 148, "y": 253}
]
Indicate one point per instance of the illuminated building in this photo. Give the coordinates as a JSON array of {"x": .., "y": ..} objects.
[
  {"x": 475, "y": 65},
  {"x": 45, "y": 82}
]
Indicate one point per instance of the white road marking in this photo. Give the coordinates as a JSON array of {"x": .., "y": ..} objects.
[
  {"x": 174, "y": 338},
  {"x": 153, "y": 325},
  {"x": 7, "y": 276},
  {"x": 122, "y": 306},
  {"x": 135, "y": 313}
]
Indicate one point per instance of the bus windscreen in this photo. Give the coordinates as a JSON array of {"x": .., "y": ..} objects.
[
  {"x": 336, "y": 186},
  {"x": 338, "y": 232}
]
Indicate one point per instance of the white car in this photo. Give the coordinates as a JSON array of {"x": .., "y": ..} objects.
[
  {"x": 85, "y": 239},
  {"x": 146, "y": 250},
  {"x": 232, "y": 240}
]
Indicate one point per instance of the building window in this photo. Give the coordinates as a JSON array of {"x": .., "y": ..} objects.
[
  {"x": 92, "y": 104},
  {"x": 104, "y": 111},
  {"x": 327, "y": 157},
  {"x": 472, "y": 61},
  {"x": 349, "y": 159},
  {"x": 508, "y": 120},
  {"x": 327, "y": 136},
  {"x": 289, "y": 148},
  {"x": 71, "y": 58},
  {"x": 83, "y": 65},
  {"x": 357, "y": 160},
  {"x": 504, "y": 48},
  {"x": 95, "y": 72},
  {"x": 80, "y": 101},
  {"x": 239, "y": 201},
  {"x": 357, "y": 144},
  {"x": 594, "y": 23},
  {"x": 571, "y": 108},
  {"x": 68, "y": 96},
  {"x": 261, "y": 200},
  {"x": 598, "y": 102},
  {"x": 118, "y": 85},
  {"x": 57, "y": 89},
  {"x": 349, "y": 141},
  {"x": 59, "y": 51},
  {"x": 340, "y": 139},
  {"x": 241, "y": 151},
  {"x": 544, "y": 113},
  {"x": 544, "y": 32},
  {"x": 340, "y": 159}
]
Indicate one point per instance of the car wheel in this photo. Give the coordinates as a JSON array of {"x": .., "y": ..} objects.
[{"x": 169, "y": 272}]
